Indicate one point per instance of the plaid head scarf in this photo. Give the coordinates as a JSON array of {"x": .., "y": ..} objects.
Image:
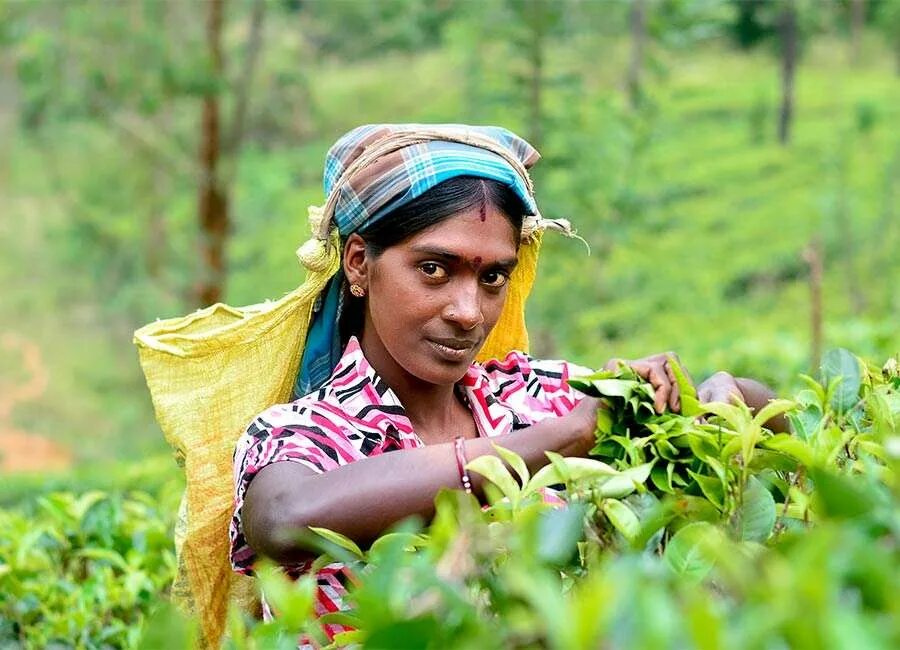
[{"x": 364, "y": 186}]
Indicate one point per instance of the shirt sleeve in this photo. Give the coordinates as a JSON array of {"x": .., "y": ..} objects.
[
  {"x": 282, "y": 433},
  {"x": 553, "y": 377},
  {"x": 534, "y": 388}
]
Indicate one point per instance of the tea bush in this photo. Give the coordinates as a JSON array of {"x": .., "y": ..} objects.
[
  {"x": 83, "y": 570},
  {"x": 695, "y": 530},
  {"x": 684, "y": 532}
]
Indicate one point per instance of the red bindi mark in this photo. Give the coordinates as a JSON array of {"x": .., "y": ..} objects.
[{"x": 482, "y": 213}]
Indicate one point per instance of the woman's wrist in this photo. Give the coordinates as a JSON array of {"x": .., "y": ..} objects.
[{"x": 579, "y": 427}]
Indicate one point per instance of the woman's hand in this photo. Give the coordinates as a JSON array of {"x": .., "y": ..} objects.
[
  {"x": 724, "y": 387},
  {"x": 656, "y": 370},
  {"x": 582, "y": 423},
  {"x": 721, "y": 387}
]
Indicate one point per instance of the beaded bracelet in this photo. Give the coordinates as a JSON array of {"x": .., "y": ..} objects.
[{"x": 461, "y": 463}]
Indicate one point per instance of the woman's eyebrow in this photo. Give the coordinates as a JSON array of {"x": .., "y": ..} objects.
[
  {"x": 437, "y": 252},
  {"x": 456, "y": 258}
]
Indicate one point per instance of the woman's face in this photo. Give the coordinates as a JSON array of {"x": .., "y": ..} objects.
[{"x": 433, "y": 298}]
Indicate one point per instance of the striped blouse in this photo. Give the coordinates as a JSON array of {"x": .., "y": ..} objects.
[{"x": 355, "y": 415}]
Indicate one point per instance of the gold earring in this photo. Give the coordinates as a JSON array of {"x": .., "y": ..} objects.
[{"x": 357, "y": 290}]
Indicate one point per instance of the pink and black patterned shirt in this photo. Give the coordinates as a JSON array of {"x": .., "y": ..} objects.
[{"x": 355, "y": 415}]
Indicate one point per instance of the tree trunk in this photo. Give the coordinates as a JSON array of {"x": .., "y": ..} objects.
[
  {"x": 857, "y": 25},
  {"x": 638, "y": 21},
  {"x": 536, "y": 73},
  {"x": 813, "y": 257},
  {"x": 242, "y": 92},
  {"x": 212, "y": 202},
  {"x": 788, "y": 68}
]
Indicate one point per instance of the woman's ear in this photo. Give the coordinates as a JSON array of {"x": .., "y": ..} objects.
[{"x": 355, "y": 261}]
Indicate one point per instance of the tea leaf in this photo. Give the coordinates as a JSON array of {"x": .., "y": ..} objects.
[
  {"x": 622, "y": 517},
  {"x": 339, "y": 540},
  {"x": 493, "y": 469},
  {"x": 690, "y": 552},
  {"x": 755, "y": 519},
  {"x": 690, "y": 405},
  {"x": 515, "y": 461},
  {"x": 839, "y": 363}
]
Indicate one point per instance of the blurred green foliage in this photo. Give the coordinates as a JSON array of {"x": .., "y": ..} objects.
[
  {"x": 83, "y": 569},
  {"x": 797, "y": 547},
  {"x": 697, "y": 221},
  {"x": 696, "y": 217}
]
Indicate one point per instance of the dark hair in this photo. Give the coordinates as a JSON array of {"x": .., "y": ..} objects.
[{"x": 439, "y": 203}]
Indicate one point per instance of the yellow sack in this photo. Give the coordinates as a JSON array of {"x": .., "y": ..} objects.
[{"x": 210, "y": 373}]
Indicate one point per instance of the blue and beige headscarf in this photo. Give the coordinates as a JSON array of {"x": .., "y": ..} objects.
[{"x": 375, "y": 169}]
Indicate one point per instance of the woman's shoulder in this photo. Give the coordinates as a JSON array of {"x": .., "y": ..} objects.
[
  {"x": 533, "y": 388},
  {"x": 521, "y": 363},
  {"x": 519, "y": 371}
]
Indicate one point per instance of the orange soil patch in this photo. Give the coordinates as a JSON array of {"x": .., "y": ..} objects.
[
  {"x": 29, "y": 452},
  {"x": 21, "y": 451}
]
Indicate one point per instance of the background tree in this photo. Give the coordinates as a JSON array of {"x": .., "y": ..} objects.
[
  {"x": 638, "y": 22},
  {"x": 789, "y": 44},
  {"x": 888, "y": 21}
]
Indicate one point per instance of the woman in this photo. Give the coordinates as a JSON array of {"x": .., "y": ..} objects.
[{"x": 430, "y": 236}]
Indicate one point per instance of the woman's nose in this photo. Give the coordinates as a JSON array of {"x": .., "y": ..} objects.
[{"x": 464, "y": 308}]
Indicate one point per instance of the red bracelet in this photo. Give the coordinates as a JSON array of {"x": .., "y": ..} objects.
[{"x": 460, "y": 446}]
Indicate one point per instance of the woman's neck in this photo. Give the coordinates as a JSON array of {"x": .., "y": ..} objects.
[{"x": 434, "y": 410}]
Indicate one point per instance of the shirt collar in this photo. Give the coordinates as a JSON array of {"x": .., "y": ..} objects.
[{"x": 357, "y": 387}]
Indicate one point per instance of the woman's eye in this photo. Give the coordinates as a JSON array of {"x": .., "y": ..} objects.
[
  {"x": 433, "y": 270},
  {"x": 495, "y": 279}
]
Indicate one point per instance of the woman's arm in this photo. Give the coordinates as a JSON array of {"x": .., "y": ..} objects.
[{"x": 362, "y": 499}]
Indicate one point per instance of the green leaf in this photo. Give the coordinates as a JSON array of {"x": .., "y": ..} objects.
[
  {"x": 661, "y": 479},
  {"x": 605, "y": 387},
  {"x": 493, "y": 469},
  {"x": 805, "y": 423},
  {"x": 292, "y": 600},
  {"x": 755, "y": 519},
  {"x": 840, "y": 497},
  {"x": 559, "y": 531},
  {"x": 625, "y": 482},
  {"x": 840, "y": 363},
  {"x": 621, "y": 517},
  {"x": 409, "y": 542},
  {"x": 340, "y": 540},
  {"x": 712, "y": 488},
  {"x": 791, "y": 446},
  {"x": 604, "y": 421},
  {"x": 347, "y": 619},
  {"x": 350, "y": 638},
  {"x": 566, "y": 470},
  {"x": 105, "y": 554},
  {"x": 817, "y": 390},
  {"x": 515, "y": 461},
  {"x": 412, "y": 633},
  {"x": 737, "y": 418},
  {"x": 690, "y": 405},
  {"x": 773, "y": 408},
  {"x": 690, "y": 552}
]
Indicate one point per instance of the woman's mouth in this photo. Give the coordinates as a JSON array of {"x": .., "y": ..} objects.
[{"x": 454, "y": 350}]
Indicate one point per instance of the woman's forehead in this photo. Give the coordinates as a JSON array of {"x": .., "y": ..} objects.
[{"x": 484, "y": 233}]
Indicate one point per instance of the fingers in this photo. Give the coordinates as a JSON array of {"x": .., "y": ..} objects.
[
  {"x": 721, "y": 387},
  {"x": 657, "y": 371},
  {"x": 612, "y": 364},
  {"x": 675, "y": 395},
  {"x": 654, "y": 372}
]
